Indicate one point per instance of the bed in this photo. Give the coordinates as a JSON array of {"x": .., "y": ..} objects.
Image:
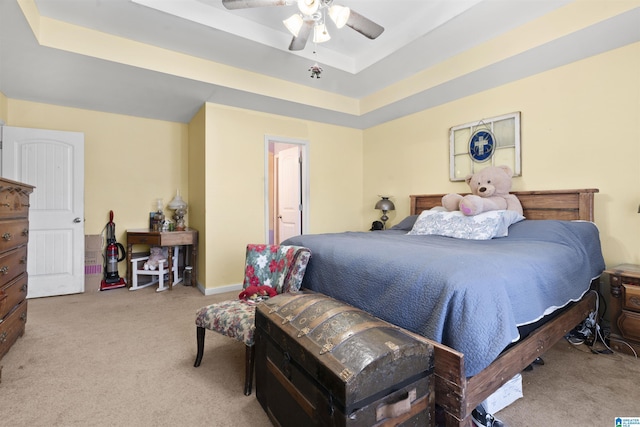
[{"x": 482, "y": 338}]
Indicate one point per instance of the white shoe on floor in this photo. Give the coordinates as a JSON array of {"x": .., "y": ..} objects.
[{"x": 481, "y": 418}]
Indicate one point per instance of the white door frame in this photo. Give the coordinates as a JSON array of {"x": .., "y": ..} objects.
[
  {"x": 56, "y": 240},
  {"x": 304, "y": 150}
]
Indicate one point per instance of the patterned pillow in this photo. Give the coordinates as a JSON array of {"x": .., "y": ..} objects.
[
  {"x": 484, "y": 226},
  {"x": 278, "y": 266}
]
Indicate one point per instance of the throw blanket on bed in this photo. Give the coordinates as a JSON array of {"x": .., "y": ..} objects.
[{"x": 467, "y": 294}]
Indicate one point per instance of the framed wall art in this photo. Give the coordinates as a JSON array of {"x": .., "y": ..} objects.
[{"x": 493, "y": 141}]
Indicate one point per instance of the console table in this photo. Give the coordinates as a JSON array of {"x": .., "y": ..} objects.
[{"x": 145, "y": 236}]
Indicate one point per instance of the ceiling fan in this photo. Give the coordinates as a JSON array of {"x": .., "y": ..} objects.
[{"x": 311, "y": 17}]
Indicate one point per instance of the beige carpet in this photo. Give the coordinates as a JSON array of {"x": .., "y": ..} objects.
[{"x": 121, "y": 358}]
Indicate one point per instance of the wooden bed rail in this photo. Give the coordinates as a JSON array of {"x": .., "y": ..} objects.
[
  {"x": 535, "y": 345},
  {"x": 457, "y": 396}
]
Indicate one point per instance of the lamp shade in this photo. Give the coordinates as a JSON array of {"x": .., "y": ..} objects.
[
  {"x": 339, "y": 15},
  {"x": 293, "y": 24},
  {"x": 320, "y": 34},
  {"x": 308, "y": 7},
  {"x": 177, "y": 202},
  {"x": 385, "y": 204}
]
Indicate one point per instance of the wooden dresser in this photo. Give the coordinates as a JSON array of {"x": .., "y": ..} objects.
[
  {"x": 624, "y": 281},
  {"x": 14, "y": 236}
]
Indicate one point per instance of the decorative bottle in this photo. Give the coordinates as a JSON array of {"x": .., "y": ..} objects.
[{"x": 158, "y": 218}]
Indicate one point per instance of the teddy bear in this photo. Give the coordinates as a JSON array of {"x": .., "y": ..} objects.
[
  {"x": 490, "y": 191},
  {"x": 155, "y": 256}
]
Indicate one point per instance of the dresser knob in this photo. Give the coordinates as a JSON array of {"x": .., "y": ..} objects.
[
  {"x": 6, "y": 236},
  {"x": 23, "y": 260},
  {"x": 23, "y": 316},
  {"x": 3, "y": 337},
  {"x": 4, "y": 270},
  {"x": 25, "y": 232},
  {"x": 5, "y": 205},
  {"x": 23, "y": 288}
]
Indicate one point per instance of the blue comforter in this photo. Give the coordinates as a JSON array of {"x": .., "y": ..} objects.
[{"x": 469, "y": 295}]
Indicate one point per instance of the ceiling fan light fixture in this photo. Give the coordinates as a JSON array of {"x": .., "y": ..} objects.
[
  {"x": 339, "y": 15},
  {"x": 320, "y": 33},
  {"x": 293, "y": 24},
  {"x": 308, "y": 7}
]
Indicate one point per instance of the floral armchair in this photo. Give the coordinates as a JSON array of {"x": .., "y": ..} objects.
[{"x": 268, "y": 268}]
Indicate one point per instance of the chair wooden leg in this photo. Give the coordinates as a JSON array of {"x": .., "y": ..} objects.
[
  {"x": 200, "y": 339},
  {"x": 249, "y": 361}
]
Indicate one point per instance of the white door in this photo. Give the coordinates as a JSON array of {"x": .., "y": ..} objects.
[
  {"x": 289, "y": 197},
  {"x": 53, "y": 162}
]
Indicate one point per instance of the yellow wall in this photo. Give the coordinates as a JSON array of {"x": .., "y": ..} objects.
[
  {"x": 3, "y": 108},
  {"x": 234, "y": 180},
  {"x": 129, "y": 161},
  {"x": 198, "y": 188},
  {"x": 580, "y": 129},
  {"x": 217, "y": 162}
]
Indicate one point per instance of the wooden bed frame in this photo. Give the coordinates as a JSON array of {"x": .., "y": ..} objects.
[{"x": 456, "y": 396}]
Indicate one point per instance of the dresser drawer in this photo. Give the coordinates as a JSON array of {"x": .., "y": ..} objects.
[
  {"x": 12, "y": 327},
  {"x": 13, "y": 233},
  {"x": 12, "y": 294},
  {"x": 13, "y": 264},
  {"x": 629, "y": 325},
  {"x": 631, "y": 297},
  {"x": 14, "y": 201}
]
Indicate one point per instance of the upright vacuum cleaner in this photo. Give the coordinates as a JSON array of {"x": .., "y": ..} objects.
[{"x": 112, "y": 279}]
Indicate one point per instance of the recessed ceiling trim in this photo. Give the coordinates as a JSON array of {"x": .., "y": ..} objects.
[
  {"x": 414, "y": 26},
  {"x": 426, "y": 17},
  {"x": 85, "y": 41},
  {"x": 74, "y": 77},
  {"x": 223, "y": 20}
]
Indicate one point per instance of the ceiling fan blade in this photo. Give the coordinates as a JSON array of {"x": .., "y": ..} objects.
[
  {"x": 299, "y": 42},
  {"x": 364, "y": 26},
  {"x": 244, "y": 4}
]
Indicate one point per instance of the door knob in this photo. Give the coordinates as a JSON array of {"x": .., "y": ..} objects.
[{"x": 77, "y": 220}]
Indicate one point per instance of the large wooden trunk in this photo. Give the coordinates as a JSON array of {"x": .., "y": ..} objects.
[{"x": 320, "y": 362}]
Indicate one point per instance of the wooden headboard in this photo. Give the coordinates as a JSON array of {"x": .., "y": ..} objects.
[{"x": 552, "y": 204}]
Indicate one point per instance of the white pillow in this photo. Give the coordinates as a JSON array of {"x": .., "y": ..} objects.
[{"x": 484, "y": 226}]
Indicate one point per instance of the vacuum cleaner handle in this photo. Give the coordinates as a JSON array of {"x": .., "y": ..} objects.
[{"x": 122, "y": 251}]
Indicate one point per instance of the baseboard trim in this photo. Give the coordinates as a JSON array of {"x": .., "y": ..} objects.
[{"x": 220, "y": 289}]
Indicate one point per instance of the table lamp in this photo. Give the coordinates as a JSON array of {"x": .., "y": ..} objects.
[
  {"x": 180, "y": 210},
  {"x": 385, "y": 205}
]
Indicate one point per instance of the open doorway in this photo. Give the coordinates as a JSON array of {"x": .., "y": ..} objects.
[{"x": 286, "y": 188}]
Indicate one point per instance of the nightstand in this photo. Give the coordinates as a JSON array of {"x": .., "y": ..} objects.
[{"x": 624, "y": 281}]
